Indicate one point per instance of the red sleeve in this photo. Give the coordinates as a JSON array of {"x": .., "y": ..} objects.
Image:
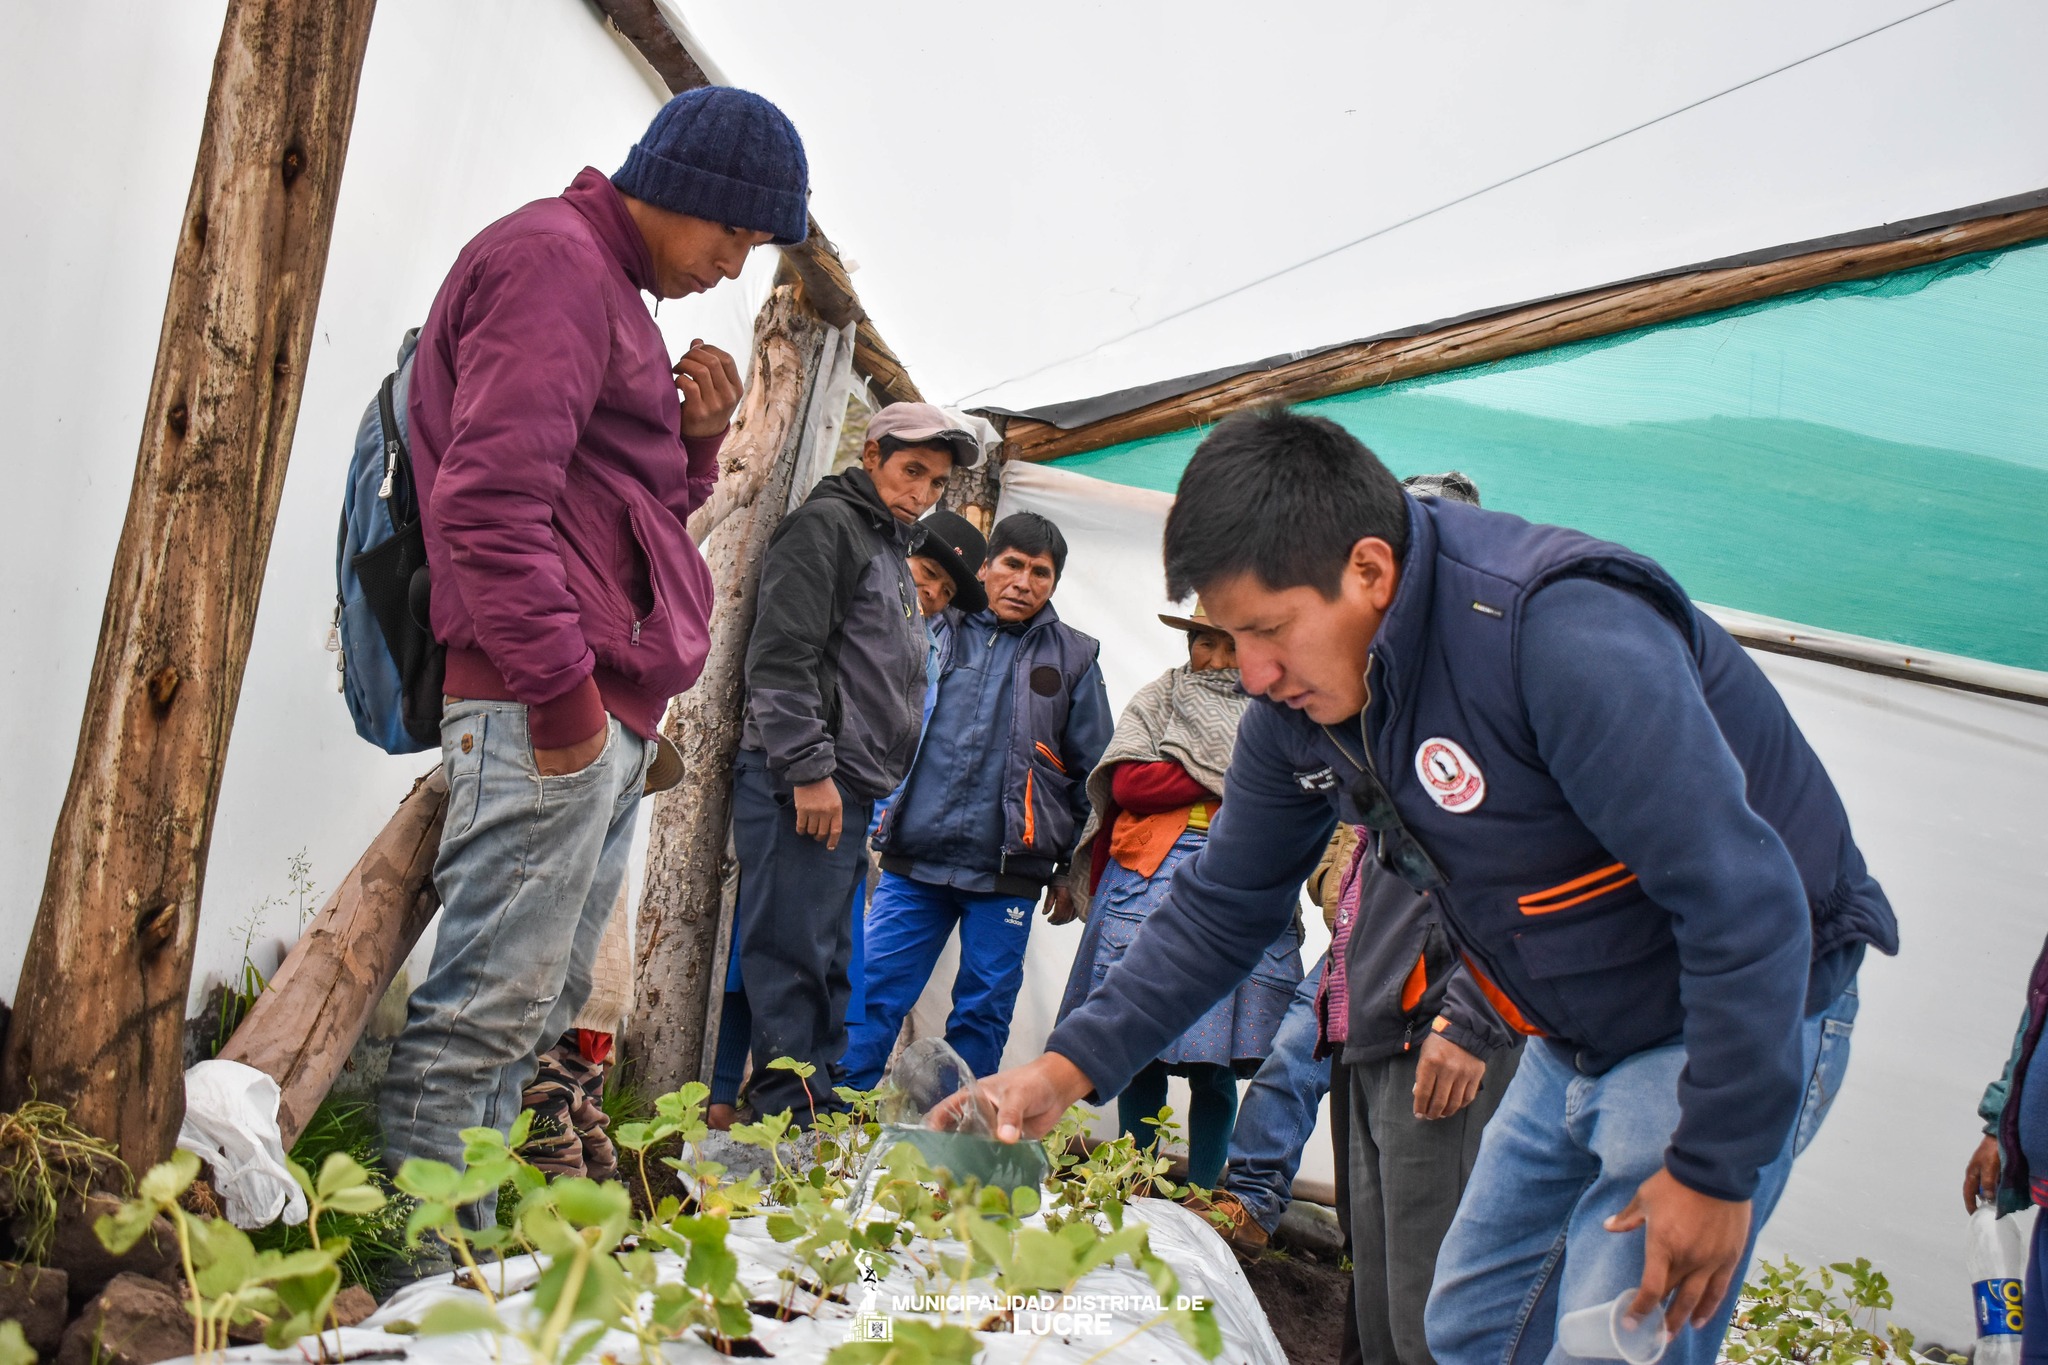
[
  {"x": 1149, "y": 788},
  {"x": 529, "y": 362},
  {"x": 701, "y": 454}
]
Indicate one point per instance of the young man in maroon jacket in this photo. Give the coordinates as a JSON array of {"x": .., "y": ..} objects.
[{"x": 558, "y": 455}]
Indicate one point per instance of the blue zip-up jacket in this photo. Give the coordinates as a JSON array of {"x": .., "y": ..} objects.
[
  {"x": 1640, "y": 847},
  {"x": 997, "y": 793}
]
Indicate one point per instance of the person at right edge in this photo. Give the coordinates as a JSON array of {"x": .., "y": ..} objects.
[
  {"x": 2009, "y": 1169},
  {"x": 835, "y": 697},
  {"x": 1635, "y": 851}
]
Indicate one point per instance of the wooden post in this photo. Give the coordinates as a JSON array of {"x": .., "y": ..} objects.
[
  {"x": 304, "y": 1025},
  {"x": 100, "y": 1012},
  {"x": 678, "y": 929}
]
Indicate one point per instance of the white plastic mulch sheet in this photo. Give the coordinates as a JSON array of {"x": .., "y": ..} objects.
[{"x": 1103, "y": 1317}]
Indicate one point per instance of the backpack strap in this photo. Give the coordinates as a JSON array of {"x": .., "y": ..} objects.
[{"x": 397, "y": 458}]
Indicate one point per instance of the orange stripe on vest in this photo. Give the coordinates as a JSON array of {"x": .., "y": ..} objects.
[
  {"x": 1502, "y": 1006},
  {"x": 1610, "y": 878}
]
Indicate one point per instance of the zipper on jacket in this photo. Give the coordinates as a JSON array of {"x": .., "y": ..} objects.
[{"x": 636, "y": 632}]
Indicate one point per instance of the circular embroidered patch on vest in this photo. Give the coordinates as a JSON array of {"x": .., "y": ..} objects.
[{"x": 1450, "y": 776}]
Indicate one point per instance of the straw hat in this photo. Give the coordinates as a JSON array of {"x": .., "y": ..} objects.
[{"x": 1199, "y": 621}]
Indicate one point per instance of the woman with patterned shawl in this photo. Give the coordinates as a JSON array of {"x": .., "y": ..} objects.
[{"x": 1152, "y": 796}]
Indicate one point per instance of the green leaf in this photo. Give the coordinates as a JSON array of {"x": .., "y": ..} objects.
[
  {"x": 1041, "y": 1260},
  {"x": 588, "y": 1204},
  {"x": 123, "y": 1228},
  {"x": 167, "y": 1180},
  {"x": 804, "y": 1070},
  {"x": 14, "y": 1347},
  {"x": 580, "y": 1345},
  {"x": 341, "y": 1172},
  {"x": 429, "y": 1180},
  {"x": 452, "y": 1316},
  {"x": 633, "y": 1137},
  {"x": 223, "y": 1255},
  {"x": 358, "y": 1202},
  {"x": 1198, "y": 1328},
  {"x": 305, "y": 1300}
]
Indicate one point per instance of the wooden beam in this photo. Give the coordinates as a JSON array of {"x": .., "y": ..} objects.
[
  {"x": 1517, "y": 331},
  {"x": 99, "y": 1016},
  {"x": 827, "y": 287},
  {"x": 302, "y": 1028},
  {"x": 641, "y": 23},
  {"x": 679, "y": 925}
]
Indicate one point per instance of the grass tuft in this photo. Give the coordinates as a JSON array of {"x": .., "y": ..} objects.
[
  {"x": 46, "y": 1162},
  {"x": 374, "y": 1239}
]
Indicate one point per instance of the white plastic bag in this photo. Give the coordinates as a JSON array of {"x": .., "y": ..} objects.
[
  {"x": 1996, "y": 1267},
  {"x": 231, "y": 1124}
]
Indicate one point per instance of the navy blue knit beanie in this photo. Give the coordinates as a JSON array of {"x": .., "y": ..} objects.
[{"x": 727, "y": 155}]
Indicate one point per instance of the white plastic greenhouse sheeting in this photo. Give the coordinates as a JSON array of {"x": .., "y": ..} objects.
[
  {"x": 1115, "y": 164},
  {"x": 1948, "y": 792},
  {"x": 459, "y": 120},
  {"x": 1103, "y": 1319}
]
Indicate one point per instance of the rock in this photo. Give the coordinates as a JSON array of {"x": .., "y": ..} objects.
[
  {"x": 133, "y": 1321},
  {"x": 738, "y": 1158},
  {"x": 39, "y": 1300},
  {"x": 352, "y": 1305},
  {"x": 1310, "y": 1228},
  {"x": 75, "y": 1249}
]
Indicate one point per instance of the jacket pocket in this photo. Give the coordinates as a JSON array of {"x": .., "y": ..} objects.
[
  {"x": 1608, "y": 965},
  {"x": 462, "y": 752},
  {"x": 1048, "y": 803},
  {"x": 590, "y": 522}
]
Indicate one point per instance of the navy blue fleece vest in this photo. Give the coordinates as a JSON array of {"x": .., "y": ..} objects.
[{"x": 1558, "y": 925}]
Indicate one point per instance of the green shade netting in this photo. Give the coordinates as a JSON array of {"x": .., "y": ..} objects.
[{"x": 1868, "y": 457}]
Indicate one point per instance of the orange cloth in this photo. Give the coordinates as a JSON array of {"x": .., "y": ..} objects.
[{"x": 1141, "y": 842}]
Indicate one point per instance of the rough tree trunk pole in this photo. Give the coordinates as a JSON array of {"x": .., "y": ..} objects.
[
  {"x": 306, "y": 1022},
  {"x": 677, "y": 939},
  {"x": 973, "y": 493},
  {"x": 99, "y": 1016}
]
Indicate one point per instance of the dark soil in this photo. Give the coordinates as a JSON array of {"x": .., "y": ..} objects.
[{"x": 1305, "y": 1301}]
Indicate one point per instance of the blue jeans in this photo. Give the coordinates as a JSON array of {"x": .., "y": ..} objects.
[
  {"x": 1279, "y": 1110},
  {"x": 908, "y": 923},
  {"x": 528, "y": 870},
  {"x": 1566, "y": 1151}
]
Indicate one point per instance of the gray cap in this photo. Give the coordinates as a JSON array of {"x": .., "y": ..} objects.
[{"x": 923, "y": 424}]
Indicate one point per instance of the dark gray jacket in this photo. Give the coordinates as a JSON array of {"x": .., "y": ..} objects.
[
  {"x": 836, "y": 664},
  {"x": 1404, "y": 978}
]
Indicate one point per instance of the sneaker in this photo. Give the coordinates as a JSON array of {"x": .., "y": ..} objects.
[{"x": 1232, "y": 1220}]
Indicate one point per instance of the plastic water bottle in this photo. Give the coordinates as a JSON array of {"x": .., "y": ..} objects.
[{"x": 1996, "y": 1264}]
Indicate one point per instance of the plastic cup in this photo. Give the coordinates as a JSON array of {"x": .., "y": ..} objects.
[{"x": 1599, "y": 1333}]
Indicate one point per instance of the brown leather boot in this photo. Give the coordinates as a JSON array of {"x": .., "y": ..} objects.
[{"x": 1232, "y": 1220}]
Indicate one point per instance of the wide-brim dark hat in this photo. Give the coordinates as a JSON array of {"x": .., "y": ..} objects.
[
  {"x": 667, "y": 768},
  {"x": 952, "y": 542}
]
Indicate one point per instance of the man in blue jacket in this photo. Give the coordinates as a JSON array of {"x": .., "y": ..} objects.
[
  {"x": 1635, "y": 851},
  {"x": 992, "y": 808}
]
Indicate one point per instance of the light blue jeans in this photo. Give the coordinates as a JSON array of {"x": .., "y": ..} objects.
[
  {"x": 1279, "y": 1110},
  {"x": 1565, "y": 1152},
  {"x": 528, "y": 871}
]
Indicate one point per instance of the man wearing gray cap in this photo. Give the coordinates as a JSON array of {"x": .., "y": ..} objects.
[{"x": 835, "y": 696}]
